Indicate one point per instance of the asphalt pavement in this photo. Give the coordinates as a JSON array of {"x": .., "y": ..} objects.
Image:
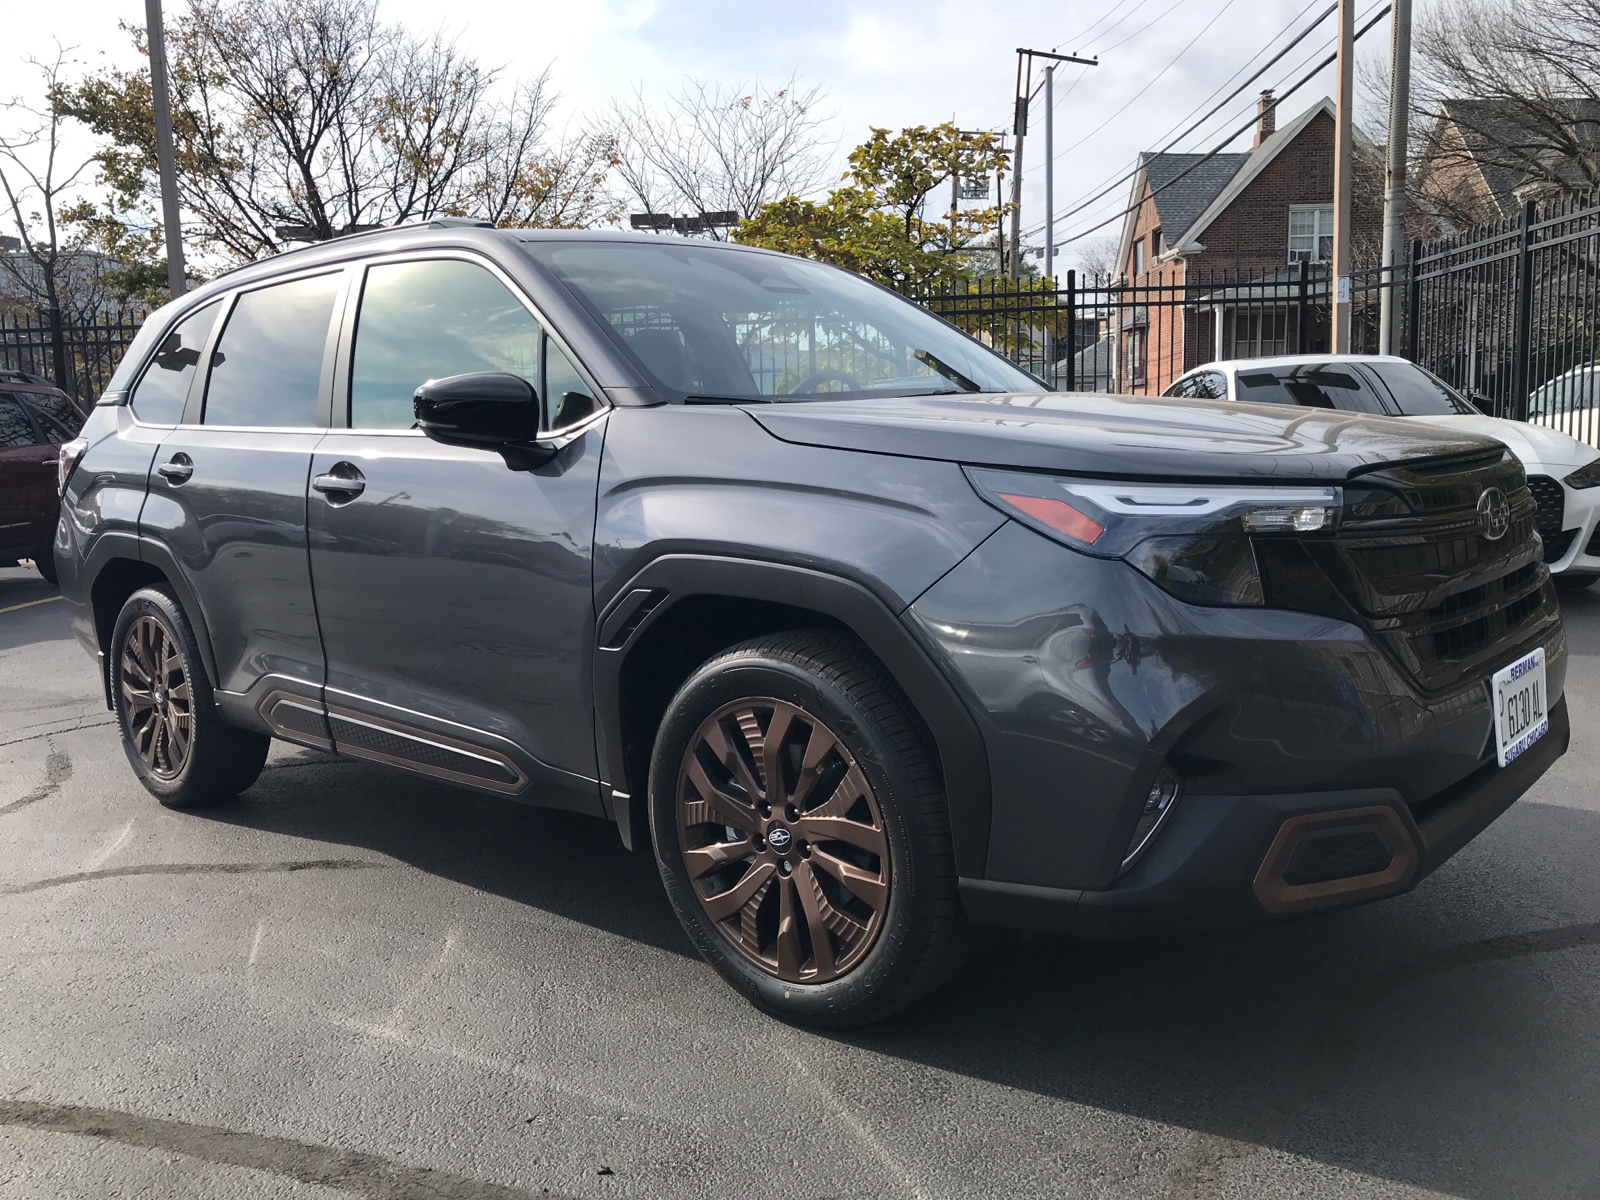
[{"x": 355, "y": 981}]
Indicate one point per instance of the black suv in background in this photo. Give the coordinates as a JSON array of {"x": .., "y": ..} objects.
[{"x": 863, "y": 632}]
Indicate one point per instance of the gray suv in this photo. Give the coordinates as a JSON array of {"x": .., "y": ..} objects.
[{"x": 864, "y": 633}]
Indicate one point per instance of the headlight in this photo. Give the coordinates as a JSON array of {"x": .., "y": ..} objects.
[
  {"x": 1587, "y": 476},
  {"x": 1192, "y": 540}
]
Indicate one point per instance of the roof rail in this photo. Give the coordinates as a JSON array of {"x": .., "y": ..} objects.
[{"x": 459, "y": 223}]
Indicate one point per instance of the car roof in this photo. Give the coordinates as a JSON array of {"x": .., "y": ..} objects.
[
  {"x": 14, "y": 380},
  {"x": 1294, "y": 360}
]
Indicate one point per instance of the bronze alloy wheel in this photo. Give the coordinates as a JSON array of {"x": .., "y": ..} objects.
[
  {"x": 156, "y": 690},
  {"x": 783, "y": 840}
]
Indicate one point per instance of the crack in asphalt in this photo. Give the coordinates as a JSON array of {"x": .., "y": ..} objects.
[
  {"x": 57, "y": 770},
  {"x": 34, "y": 737},
  {"x": 258, "y": 868},
  {"x": 307, "y": 1162}
]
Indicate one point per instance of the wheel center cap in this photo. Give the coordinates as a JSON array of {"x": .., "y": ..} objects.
[{"x": 780, "y": 839}]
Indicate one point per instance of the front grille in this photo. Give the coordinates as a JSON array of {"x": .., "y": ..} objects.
[
  {"x": 1552, "y": 502},
  {"x": 1417, "y": 571}
]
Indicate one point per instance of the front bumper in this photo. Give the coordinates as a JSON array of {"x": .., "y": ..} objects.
[
  {"x": 1579, "y": 555},
  {"x": 1086, "y": 679},
  {"x": 1205, "y": 870}
]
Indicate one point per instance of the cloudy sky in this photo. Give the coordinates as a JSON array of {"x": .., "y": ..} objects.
[{"x": 889, "y": 63}]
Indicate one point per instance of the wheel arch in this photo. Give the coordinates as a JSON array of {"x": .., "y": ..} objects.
[
  {"x": 681, "y": 609},
  {"x": 120, "y": 566}
]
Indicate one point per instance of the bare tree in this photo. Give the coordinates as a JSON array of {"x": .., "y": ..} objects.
[
  {"x": 712, "y": 148},
  {"x": 298, "y": 119},
  {"x": 1096, "y": 258},
  {"x": 1508, "y": 89},
  {"x": 50, "y": 271}
]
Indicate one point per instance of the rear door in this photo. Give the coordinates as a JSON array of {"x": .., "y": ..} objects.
[
  {"x": 27, "y": 480},
  {"x": 227, "y": 491},
  {"x": 454, "y": 592}
]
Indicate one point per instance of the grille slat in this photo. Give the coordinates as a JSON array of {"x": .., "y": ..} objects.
[{"x": 1552, "y": 502}]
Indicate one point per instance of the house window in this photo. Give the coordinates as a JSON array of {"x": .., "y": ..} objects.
[
  {"x": 1311, "y": 233},
  {"x": 1258, "y": 333},
  {"x": 1138, "y": 256},
  {"x": 1138, "y": 339},
  {"x": 1157, "y": 245}
]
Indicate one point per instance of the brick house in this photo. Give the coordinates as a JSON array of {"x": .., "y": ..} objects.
[{"x": 1214, "y": 246}]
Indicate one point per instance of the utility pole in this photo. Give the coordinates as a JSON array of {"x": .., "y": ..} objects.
[
  {"x": 1025, "y": 59},
  {"x": 1050, "y": 170},
  {"x": 1344, "y": 147},
  {"x": 1394, "y": 182},
  {"x": 177, "y": 280}
]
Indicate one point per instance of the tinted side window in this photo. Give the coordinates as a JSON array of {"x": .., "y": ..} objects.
[
  {"x": 429, "y": 320},
  {"x": 16, "y": 430},
  {"x": 158, "y": 398},
  {"x": 1311, "y": 387},
  {"x": 267, "y": 366},
  {"x": 58, "y": 417},
  {"x": 567, "y": 398}
]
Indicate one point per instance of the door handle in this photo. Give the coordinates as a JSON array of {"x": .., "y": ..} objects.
[
  {"x": 178, "y": 470},
  {"x": 343, "y": 482}
]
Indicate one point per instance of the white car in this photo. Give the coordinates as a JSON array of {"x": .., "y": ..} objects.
[
  {"x": 1563, "y": 472},
  {"x": 1570, "y": 402}
]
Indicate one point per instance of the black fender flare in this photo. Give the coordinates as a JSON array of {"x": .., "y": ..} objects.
[
  {"x": 118, "y": 545},
  {"x": 672, "y": 578}
]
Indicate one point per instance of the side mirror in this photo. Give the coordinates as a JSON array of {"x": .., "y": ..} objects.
[{"x": 490, "y": 409}]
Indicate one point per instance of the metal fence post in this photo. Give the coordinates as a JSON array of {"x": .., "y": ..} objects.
[
  {"x": 1300, "y": 318},
  {"x": 1521, "y": 383},
  {"x": 1414, "y": 313},
  {"x": 58, "y": 349},
  {"x": 1072, "y": 331}
]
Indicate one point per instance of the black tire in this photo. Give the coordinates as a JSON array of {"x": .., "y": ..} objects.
[
  {"x": 45, "y": 561},
  {"x": 921, "y": 936},
  {"x": 1571, "y": 585},
  {"x": 206, "y": 760}
]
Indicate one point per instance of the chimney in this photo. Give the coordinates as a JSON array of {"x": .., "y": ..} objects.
[{"x": 1266, "y": 116}]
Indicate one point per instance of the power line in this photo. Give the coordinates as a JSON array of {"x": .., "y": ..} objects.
[
  {"x": 1103, "y": 17},
  {"x": 1266, "y": 66},
  {"x": 1225, "y": 143}
]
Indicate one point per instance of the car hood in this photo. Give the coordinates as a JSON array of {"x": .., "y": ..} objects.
[
  {"x": 1535, "y": 445},
  {"x": 1127, "y": 437}
]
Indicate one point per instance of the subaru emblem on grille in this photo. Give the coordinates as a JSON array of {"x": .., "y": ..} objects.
[{"x": 1494, "y": 513}]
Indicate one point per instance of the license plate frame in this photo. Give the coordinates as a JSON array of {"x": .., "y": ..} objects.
[{"x": 1519, "y": 705}]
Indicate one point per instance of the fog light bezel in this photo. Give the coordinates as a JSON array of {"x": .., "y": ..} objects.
[{"x": 1166, "y": 781}]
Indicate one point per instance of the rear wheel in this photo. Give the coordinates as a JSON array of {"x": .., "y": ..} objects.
[
  {"x": 800, "y": 827},
  {"x": 175, "y": 740}
]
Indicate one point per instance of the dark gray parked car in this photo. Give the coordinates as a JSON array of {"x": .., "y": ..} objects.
[{"x": 867, "y": 635}]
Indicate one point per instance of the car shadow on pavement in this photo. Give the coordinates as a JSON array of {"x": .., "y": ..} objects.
[
  {"x": 571, "y": 865},
  {"x": 1448, "y": 1039}
]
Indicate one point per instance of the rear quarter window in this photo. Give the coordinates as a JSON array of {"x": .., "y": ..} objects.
[{"x": 162, "y": 389}]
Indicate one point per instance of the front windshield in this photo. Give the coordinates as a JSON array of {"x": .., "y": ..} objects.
[
  {"x": 1420, "y": 393},
  {"x": 717, "y": 323}
]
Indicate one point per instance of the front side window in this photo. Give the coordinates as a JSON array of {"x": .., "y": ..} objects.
[
  {"x": 430, "y": 320},
  {"x": 716, "y": 321},
  {"x": 1315, "y": 386},
  {"x": 16, "y": 431},
  {"x": 1311, "y": 233},
  {"x": 1418, "y": 393},
  {"x": 267, "y": 367},
  {"x": 158, "y": 399},
  {"x": 58, "y": 417},
  {"x": 567, "y": 398},
  {"x": 1209, "y": 385}
]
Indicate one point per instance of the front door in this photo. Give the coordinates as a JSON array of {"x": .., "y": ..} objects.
[
  {"x": 454, "y": 592},
  {"x": 228, "y": 488}
]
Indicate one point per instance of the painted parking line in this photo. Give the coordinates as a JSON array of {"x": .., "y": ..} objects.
[{"x": 29, "y": 604}]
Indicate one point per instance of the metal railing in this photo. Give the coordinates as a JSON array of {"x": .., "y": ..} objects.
[{"x": 78, "y": 357}]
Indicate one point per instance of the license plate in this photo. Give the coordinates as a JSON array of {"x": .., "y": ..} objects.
[{"x": 1518, "y": 695}]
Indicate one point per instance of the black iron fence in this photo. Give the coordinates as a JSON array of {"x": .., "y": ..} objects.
[
  {"x": 1508, "y": 312},
  {"x": 77, "y": 357}
]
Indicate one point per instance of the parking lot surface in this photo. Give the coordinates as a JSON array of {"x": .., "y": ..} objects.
[{"x": 354, "y": 981}]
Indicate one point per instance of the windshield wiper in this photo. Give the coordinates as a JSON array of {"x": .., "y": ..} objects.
[
  {"x": 726, "y": 400},
  {"x": 945, "y": 369}
]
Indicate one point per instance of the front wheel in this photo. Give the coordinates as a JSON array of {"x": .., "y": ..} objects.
[
  {"x": 801, "y": 829},
  {"x": 175, "y": 740}
]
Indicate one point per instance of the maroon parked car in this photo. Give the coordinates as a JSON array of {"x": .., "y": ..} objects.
[{"x": 35, "y": 419}]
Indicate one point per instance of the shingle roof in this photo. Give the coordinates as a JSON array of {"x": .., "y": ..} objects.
[
  {"x": 1509, "y": 148},
  {"x": 1180, "y": 204}
]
